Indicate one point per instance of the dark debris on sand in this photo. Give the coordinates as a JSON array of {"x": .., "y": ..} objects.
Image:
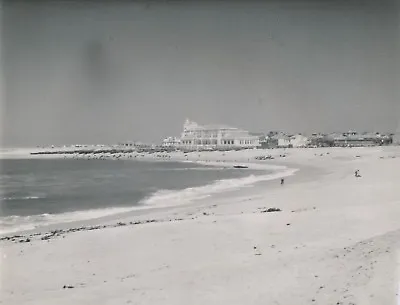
[
  {"x": 269, "y": 210},
  {"x": 47, "y": 236}
]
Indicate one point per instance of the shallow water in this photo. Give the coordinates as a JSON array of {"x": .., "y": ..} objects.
[{"x": 44, "y": 191}]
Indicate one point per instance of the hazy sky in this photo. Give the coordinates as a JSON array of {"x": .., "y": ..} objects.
[{"x": 101, "y": 73}]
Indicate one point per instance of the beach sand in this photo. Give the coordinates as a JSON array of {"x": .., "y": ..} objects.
[{"x": 335, "y": 240}]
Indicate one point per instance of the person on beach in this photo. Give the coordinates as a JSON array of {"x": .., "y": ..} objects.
[{"x": 282, "y": 181}]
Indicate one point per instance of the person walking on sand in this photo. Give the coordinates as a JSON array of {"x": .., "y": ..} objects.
[{"x": 282, "y": 181}]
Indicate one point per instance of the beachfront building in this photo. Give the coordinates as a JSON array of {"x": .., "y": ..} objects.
[
  {"x": 209, "y": 137},
  {"x": 263, "y": 141},
  {"x": 272, "y": 139},
  {"x": 353, "y": 139},
  {"x": 396, "y": 138},
  {"x": 378, "y": 138},
  {"x": 320, "y": 140},
  {"x": 272, "y": 142},
  {"x": 134, "y": 145},
  {"x": 299, "y": 140},
  {"x": 283, "y": 141},
  {"x": 171, "y": 142}
]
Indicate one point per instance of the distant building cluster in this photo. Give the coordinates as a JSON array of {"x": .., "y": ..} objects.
[
  {"x": 351, "y": 139},
  {"x": 283, "y": 140},
  {"x": 136, "y": 145},
  {"x": 220, "y": 137},
  {"x": 196, "y": 137}
]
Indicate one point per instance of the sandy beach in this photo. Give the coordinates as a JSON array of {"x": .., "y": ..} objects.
[{"x": 324, "y": 237}]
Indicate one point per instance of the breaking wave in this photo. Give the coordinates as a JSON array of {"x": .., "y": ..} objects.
[
  {"x": 160, "y": 198},
  {"x": 23, "y": 198},
  {"x": 11, "y": 224},
  {"x": 177, "y": 197}
]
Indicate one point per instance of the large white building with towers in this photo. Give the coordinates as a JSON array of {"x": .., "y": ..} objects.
[{"x": 207, "y": 137}]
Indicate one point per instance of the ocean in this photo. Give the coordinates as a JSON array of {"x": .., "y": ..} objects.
[{"x": 37, "y": 192}]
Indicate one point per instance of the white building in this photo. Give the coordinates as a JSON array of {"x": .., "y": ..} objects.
[
  {"x": 282, "y": 140},
  {"x": 396, "y": 135},
  {"x": 286, "y": 141},
  {"x": 130, "y": 144},
  {"x": 299, "y": 141},
  {"x": 200, "y": 137},
  {"x": 171, "y": 142},
  {"x": 396, "y": 138}
]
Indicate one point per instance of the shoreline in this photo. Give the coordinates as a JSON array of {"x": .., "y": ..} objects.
[
  {"x": 119, "y": 213},
  {"x": 214, "y": 159},
  {"x": 153, "y": 214}
]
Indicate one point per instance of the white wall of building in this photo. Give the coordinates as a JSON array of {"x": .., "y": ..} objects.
[
  {"x": 292, "y": 141},
  {"x": 195, "y": 136},
  {"x": 396, "y": 138},
  {"x": 283, "y": 142},
  {"x": 299, "y": 141},
  {"x": 171, "y": 142}
]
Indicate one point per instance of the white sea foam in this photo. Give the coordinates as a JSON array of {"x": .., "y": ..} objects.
[
  {"x": 190, "y": 169},
  {"x": 23, "y": 198},
  {"x": 10, "y": 224},
  {"x": 229, "y": 164},
  {"x": 16, "y": 153},
  {"x": 173, "y": 197}
]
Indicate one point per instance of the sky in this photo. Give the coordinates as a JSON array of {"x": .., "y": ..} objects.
[{"x": 110, "y": 71}]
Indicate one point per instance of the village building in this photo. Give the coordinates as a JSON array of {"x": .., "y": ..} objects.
[
  {"x": 210, "y": 137},
  {"x": 298, "y": 141},
  {"x": 396, "y": 138},
  {"x": 353, "y": 139},
  {"x": 171, "y": 142},
  {"x": 264, "y": 140},
  {"x": 134, "y": 145},
  {"x": 320, "y": 140},
  {"x": 283, "y": 141},
  {"x": 290, "y": 141},
  {"x": 272, "y": 142}
]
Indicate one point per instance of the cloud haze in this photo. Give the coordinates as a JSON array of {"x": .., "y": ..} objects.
[{"x": 100, "y": 73}]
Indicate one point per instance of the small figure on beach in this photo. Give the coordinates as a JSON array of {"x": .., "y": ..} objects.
[
  {"x": 282, "y": 181},
  {"x": 357, "y": 173}
]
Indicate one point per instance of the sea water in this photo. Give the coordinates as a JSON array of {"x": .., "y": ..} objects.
[{"x": 36, "y": 192}]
